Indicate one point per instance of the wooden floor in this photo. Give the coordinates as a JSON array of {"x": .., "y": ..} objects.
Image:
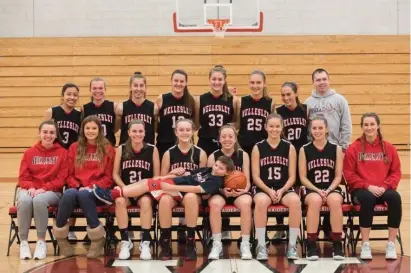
[{"x": 8, "y": 176}]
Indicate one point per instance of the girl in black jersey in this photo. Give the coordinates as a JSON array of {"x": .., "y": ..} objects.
[
  {"x": 240, "y": 198},
  {"x": 135, "y": 160},
  {"x": 175, "y": 105},
  {"x": 68, "y": 120},
  {"x": 102, "y": 108},
  {"x": 214, "y": 109},
  {"x": 253, "y": 110},
  {"x": 320, "y": 167},
  {"x": 182, "y": 157},
  {"x": 295, "y": 117},
  {"x": 137, "y": 107},
  {"x": 274, "y": 169}
]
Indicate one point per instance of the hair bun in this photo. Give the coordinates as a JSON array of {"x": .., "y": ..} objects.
[
  {"x": 219, "y": 66},
  {"x": 138, "y": 73}
]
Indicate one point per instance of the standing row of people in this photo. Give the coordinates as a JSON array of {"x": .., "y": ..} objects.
[{"x": 210, "y": 112}]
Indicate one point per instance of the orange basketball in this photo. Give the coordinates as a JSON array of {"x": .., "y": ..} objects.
[{"x": 235, "y": 180}]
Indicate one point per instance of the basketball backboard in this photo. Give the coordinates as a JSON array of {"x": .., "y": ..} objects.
[{"x": 201, "y": 15}]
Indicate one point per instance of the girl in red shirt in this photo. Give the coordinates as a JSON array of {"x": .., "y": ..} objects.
[
  {"x": 90, "y": 163},
  {"x": 43, "y": 171},
  {"x": 372, "y": 170}
]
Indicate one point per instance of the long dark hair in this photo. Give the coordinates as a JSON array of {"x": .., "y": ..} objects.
[
  {"x": 294, "y": 87},
  {"x": 377, "y": 119},
  {"x": 188, "y": 98},
  {"x": 219, "y": 68}
]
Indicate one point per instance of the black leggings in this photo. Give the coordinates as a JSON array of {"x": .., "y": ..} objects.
[{"x": 368, "y": 201}]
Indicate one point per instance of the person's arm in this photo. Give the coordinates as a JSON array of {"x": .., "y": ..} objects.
[
  {"x": 338, "y": 171},
  {"x": 246, "y": 170},
  {"x": 119, "y": 113},
  {"x": 255, "y": 170},
  {"x": 394, "y": 175},
  {"x": 236, "y": 110},
  {"x": 203, "y": 159},
  {"x": 346, "y": 125},
  {"x": 72, "y": 181},
  {"x": 117, "y": 167},
  {"x": 210, "y": 161},
  {"x": 302, "y": 168},
  {"x": 292, "y": 169},
  {"x": 165, "y": 163},
  {"x": 354, "y": 181},
  {"x": 58, "y": 182},
  {"x": 156, "y": 111},
  {"x": 25, "y": 178},
  {"x": 273, "y": 106},
  {"x": 106, "y": 181},
  {"x": 238, "y": 118},
  {"x": 196, "y": 117},
  {"x": 156, "y": 162},
  {"x": 48, "y": 114}
]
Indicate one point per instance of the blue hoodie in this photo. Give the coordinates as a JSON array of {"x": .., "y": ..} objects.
[{"x": 334, "y": 107}]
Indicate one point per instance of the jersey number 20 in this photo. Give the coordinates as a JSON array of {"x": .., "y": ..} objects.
[{"x": 293, "y": 133}]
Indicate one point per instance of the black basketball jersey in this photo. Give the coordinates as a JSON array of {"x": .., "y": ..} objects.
[
  {"x": 172, "y": 109},
  {"x": 105, "y": 112},
  {"x": 321, "y": 164},
  {"x": 214, "y": 113},
  {"x": 274, "y": 163},
  {"x": 139, "y": 166},
  {"x": 190, "y": 161},
  {"x": 295, "y": 125},
  {"x": 144, "y": 112},
  {"x": 68, "y": 123},
  {"x": 253, "y": 115},
  {"x": 236, "y": 157}
]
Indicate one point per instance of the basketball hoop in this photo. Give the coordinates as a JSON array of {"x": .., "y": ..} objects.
[{"x": 219, "y": 26}]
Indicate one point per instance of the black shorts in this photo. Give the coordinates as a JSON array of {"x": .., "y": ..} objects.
[
  {"x": 208, "y": 145},
  {"x": 307, "y": 191}
]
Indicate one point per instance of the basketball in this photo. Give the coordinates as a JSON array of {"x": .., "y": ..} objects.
[{"x": 235, "y": 180}]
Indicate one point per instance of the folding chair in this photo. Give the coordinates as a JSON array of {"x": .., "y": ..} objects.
[{"x": 14, "y": 229}]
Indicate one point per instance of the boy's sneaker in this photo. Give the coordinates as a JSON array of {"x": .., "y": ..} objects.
[
  {"x": 338, "y": 252},
  {"x": 216, "y": 251},
  {"x": 366, "y": 251},
  {"x": 312, "y": 254},
  {"x": 390, "y": 252},
  {"x": 126, "y": 246},
  {"x": 25, "y": 252},
  {"x": 103, "y": 195}
]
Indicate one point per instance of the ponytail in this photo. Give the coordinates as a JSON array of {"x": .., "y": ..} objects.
[{"x": 294, "y": 87}]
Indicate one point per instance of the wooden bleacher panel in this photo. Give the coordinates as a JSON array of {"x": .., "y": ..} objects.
[{"x": 372, "y": 72}]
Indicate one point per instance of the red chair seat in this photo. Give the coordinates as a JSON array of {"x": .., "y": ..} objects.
[
  {"x": 277, "y": 208},
  {"x": 13, "y": 210},
  {"x": 377, "y": 208},
  {"x": 100, "y": 209},
  {"x": 180, "y": 209}
]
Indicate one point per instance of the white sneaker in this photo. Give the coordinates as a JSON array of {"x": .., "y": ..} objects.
[
  {"x": 226, "y": 235},
  {"x": 245, "y": 251},
  {"x": 262, "y": 253},
  {"x": 72, "y": 236},
  {"x": 25, "y": 253},
  {"x": 217, "y": 251},
  {"x": 145, "y": 251},
  {"x": 41, "y": 250},
  {"x": 366, "y": 251},
  {"x": 390, "y": 252},
  {"x": 126, "y": 246}
]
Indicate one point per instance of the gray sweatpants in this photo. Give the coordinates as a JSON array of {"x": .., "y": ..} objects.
[{"x": 27, "y": 205}]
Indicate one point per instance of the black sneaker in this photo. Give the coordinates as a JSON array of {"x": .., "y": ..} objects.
[
  {"x": 181, "y": 235},
  {"x": 312, "y": 254},
  {"x": 191, "y": 251},
  {"x": 166, "y": 251},
  {"x": 338, "y": 251},
  {"x": 103, "y": 195}
]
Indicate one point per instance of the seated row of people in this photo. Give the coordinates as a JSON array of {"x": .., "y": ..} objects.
[{"x": 88, "y": 171}]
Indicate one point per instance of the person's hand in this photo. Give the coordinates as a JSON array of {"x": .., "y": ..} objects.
[
  {"x": 178, "y": 171},
  {"x": 273, "y": 195},
  {"x": 31, "y": 192},
  {"x": 280, "y": 194},
  {"x": 228, "y": 192},
  {"x": 84, "y": 189},
  {"x": 376, "y": 191},
  {"x": 238, "y": 192},
  {"x": 323, "y": 195},
  {"x": 166, "y": 186},
  {"x": 38, "y": 191},
  {"x": 117, "y": 188}
]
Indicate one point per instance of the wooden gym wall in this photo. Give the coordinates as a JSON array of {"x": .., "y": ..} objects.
[{"x": 372, "y": 72}]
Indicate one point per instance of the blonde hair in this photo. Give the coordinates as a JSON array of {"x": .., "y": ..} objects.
[
  {"x": 265, "y": 89},
  {"x": 129, "y": 152},
  {"x": 191, "y": 140}
]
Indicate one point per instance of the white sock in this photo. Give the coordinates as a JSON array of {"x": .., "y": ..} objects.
[
  {"x": 292, "y": 235},
  {"x": 260, "y": 235},
  {"x": 217, "y": 237},
  {"x": 245, "y": 238}
]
